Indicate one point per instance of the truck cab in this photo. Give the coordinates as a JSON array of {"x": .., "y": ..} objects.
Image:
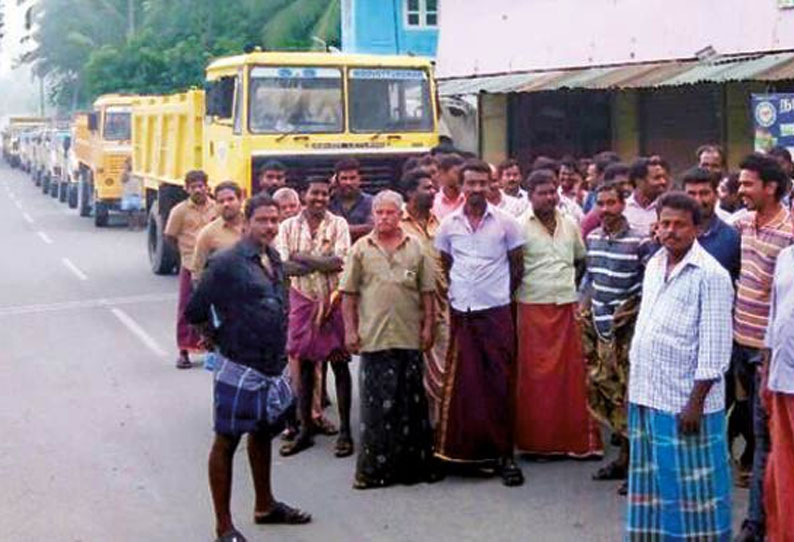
[{"x": 102, "y": 145}]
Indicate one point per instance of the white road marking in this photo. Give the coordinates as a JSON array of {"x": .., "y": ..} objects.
[
  {"x": 44, "y": 237},
  {"x": 28, "y": 218},
  {"x": 16, "y": 310},
  {"x": 139, "y": 332},
  {"x": 74, "y": 269}
]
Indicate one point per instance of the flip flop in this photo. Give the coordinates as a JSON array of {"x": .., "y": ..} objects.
[
  {"x": 232, "y": 535},
  {"x": 295, "y": 447},
  {"x": 512, "y": 475},
  {"x": 344, "y": 447},
  {"x": 324, "y": 427},
  {"x": 613, "y": 471},
  {"x": 282, "y": 514}
]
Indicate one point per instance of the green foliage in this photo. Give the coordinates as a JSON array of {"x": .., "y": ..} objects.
[{"x": 91, "y": 47}]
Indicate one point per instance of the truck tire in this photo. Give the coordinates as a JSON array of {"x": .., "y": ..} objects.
[
  {"x": 84, "y": 197},
  {"x": 63, "y": 188},
  {"x": 72, "y": 196},
  {"x": 54, "y": 187},
  {"x": 101, "y": 214},
  {"x": 36, "y": 177},
  {"x": 45, "y": 183},
  {"x": 163, "y": 256}
]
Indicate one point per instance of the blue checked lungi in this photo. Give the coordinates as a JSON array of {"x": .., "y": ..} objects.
[
  {"x": 679, "y": 486},
  {"x": 248, "y": 401}
]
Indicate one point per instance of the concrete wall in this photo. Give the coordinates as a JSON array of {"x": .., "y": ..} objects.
[
  {"x": 478, "y": 37},
  {"x": 493, "y": 127},
  {"x": 378, "y": 27}
]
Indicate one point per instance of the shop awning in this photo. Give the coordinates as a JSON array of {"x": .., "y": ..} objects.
[{"x": 755, "y": 67}]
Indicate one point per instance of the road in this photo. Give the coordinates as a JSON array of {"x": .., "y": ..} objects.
[{"x": 105, "y": 440}]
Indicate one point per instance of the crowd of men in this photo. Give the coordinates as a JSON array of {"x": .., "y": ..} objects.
[{"x": 495, "y": 311}]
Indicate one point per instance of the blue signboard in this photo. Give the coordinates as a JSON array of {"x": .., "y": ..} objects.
[{"x": 773, "y": 119}]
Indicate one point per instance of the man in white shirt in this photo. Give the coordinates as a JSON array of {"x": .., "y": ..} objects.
[
  {"x": 510, "y": 179},
  {"x": 650, "y": 181},
  {"x": 679, "y": 476}
]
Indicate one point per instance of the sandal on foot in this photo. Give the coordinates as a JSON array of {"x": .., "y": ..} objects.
[
  {"x": 324, "y": 427},
  {"x": 282, "y": 514},
  {"x": 613, "y": 471},
  {"x": 295, "y": 447},
  {"x": 232, "y": 535},
  {"x": 512, "y": 475},
  {"x": 289, "y": 434},
  {"x": 344, "y": 447}
]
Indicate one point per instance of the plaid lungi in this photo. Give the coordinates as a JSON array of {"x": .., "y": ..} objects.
[
  {"x": 248, "y": 401},
  {"x": 679, "y": 486}
]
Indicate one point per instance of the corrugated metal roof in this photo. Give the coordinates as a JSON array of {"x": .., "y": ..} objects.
[{"x": 761, "y": 67}]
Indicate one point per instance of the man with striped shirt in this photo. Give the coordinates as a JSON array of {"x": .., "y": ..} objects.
[
  {"x": 615, "y": 259},
  {"x": 765, "y": 231}
]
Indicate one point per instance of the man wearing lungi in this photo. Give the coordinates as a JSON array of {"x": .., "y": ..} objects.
[
  {"x": 418, "y": 220},
  {"x": 185, "y": 221},
  {"x": 239, "y": 302},
  {"x": 313, "y": 245},
  {"x": 679, "y": 476},
  {"x": 551, "y": 390},
  {"x": 481, "y": 251},
  {"x": 779, "y": 483}
]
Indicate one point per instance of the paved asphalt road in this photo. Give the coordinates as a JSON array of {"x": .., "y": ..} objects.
[{"x": 103, "y": 440}]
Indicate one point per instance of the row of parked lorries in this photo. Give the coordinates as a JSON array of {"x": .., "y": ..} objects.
[{"x": 306, "y": 110}]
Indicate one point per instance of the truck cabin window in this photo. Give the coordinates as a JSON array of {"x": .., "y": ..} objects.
[
  {"x": 117, "y": 125},
  {"x": 295, "y": 100},
  {"x": 389, "y": 100}
]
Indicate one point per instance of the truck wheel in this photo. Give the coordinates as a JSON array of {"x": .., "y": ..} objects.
[
  {"x": 72, "y": 196},
  {"x": 101, "y": 214},
  {"x": 45, "y": 183},
  {"x": 36, "y": 178},
  {"x": 84, "y": 197},
  {"x": 54, "y": 187},
  {"x": 163, "y": 256},
  {"x": 63, "y": 187}
]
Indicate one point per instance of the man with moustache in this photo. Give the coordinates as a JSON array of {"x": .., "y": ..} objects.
[
  {"x": 450, "y": 197},
  {"x": 313, "y": 245},
  {"x": 185, "y": 221},
  {"x": 711, "y": 158},
  {"x": 616, "y": 257},
  {"x": 349, "y": 201},
  {"x": 649, "y": 178},
  {"x": 765, "y": 231},
  {"x": 418, "y": 220},
  {"x": 272, "y": 176},
  {"x": 481, "y": 252},
  {"x": 515, "y": 207},
  {"x": 239, "y": 302},
  {"x": 551, "y": 411},
  {"x": 509, "y": 174},
  {"x": 679, "y": 476},
  {"x": 222, "y": 232}
]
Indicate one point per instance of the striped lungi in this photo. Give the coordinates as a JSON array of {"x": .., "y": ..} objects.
[{"x": 679, "y": 486}]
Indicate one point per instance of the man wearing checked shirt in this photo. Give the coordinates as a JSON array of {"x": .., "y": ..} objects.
[{"x": 679, "y": 478}]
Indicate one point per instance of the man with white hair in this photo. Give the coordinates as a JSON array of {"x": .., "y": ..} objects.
[
  {"x": 289, "y": 202},
  {"x": 388, "y": 308}
]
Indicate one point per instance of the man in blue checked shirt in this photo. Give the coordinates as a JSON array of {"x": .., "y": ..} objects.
[{"x": 679, "y": 476}]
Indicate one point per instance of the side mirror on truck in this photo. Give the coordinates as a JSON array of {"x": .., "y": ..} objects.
[{"x": 93, "y": 121}]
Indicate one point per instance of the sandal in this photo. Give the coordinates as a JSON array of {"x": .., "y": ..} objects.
[
  {"x": 295, "y": 447},
  {"x": 289, "y": 434},
  {"x": 360, "y": 483},
  {"x": 324, "y": 427},
  {"x": 344, "y": 446},
  {"x": 512, "y": 475},
  {"x": 282, "y": 514},
  {"x": 232, "y": 535},
  {"x": 613, "y": 471}
]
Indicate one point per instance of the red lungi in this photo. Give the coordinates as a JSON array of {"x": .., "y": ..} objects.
[
  {"x": 551, "y": 389},
  {"x": 779, "y": 480},
  {"x": 187, "y": 338}
]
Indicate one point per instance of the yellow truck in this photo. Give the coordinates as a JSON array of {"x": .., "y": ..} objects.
[
  {"x": 19, "y": 128},
  {"x": 101, "y": 146},
  {"x": 306, "y": 110}
]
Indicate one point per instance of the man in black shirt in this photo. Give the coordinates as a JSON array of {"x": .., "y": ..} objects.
[{"x": 239, "y": 302}]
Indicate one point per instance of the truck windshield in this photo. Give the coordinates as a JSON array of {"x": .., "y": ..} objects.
[
  {"x": 389, "y": 100},
  {"x": 295, "y": 100},
  {"x": 117, "y": 125}
]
